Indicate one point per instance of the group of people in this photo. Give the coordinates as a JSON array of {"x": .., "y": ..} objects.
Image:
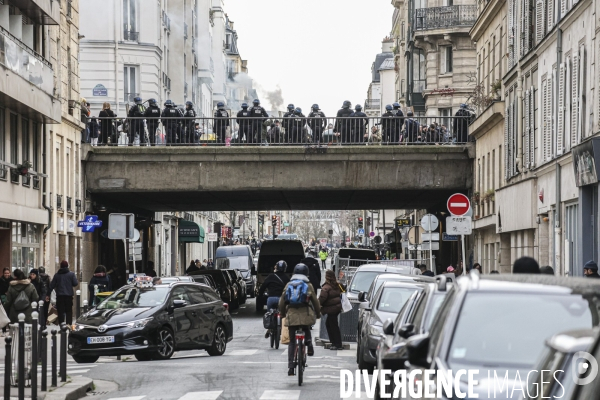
[{"x": 196, "y": 265}]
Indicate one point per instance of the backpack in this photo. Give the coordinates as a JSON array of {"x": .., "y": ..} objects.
[
  {"x": 21, "y": 302},
  {"x": 297, "y": 293}
]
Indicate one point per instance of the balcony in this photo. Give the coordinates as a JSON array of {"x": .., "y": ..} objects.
[
  {"x": 46, "y": 12},
  {"x": 445, "y": 17},
  {"x": 373, "y": 104},
  {"x": 130, "y": 36}
]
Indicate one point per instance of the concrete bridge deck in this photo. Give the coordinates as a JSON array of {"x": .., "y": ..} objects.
[{"x": 249, "y": 178}]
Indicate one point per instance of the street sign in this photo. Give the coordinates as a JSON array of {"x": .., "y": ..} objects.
[
  {"x": 212, "y": 237},
  {"x": 361, "y": 232},
  {"x": 372, "y": 234},
  {"x": 117, "y": 226},
  {"x": 449, "y": 238},
  {"x": 90, "y": 223},
  {"x": 414, "y": 235},
  {"x": 400, "y": 222},
  {"x": 286, "y": 224},
  {"x": 434, "y": 246},
  {"x": 458, "y": 204},
  {"x": 429, "y": 222},
  {"x": 435, "y": 236},
  {"x": 456, "y": 225}
]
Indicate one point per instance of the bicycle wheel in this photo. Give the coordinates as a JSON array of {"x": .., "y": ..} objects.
[
  {"x": 300, "y": 365},
  {"x": 277, "y": 337}
]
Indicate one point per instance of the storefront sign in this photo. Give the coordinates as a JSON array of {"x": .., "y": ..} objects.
[
  {"x": 90, "y": 223},
  {"x": 212, "y": 237},
  {"x": 100, "y": 90},
  {"x": 584, "y": 162},
  {"x": 189, "y": 231}
]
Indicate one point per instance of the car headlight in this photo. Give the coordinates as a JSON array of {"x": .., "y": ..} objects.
[
  {"x": 78, "y": 327},
  {"x": 140, "y": 323},
  {"x": 375, "y": 330}
]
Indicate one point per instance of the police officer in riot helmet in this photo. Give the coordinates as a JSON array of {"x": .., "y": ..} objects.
[
  {"x": 342, "y": 122},
  {"x": 461, "y": 123},
  {"x": 136, "y": 126},
  {"x": 244, "y": 122},
  {"x": 221, "y": 122},
  {"x": 152, "y": 115},
  {"x": 287, "y": 122},
  {"x": 359, "y": 123},
  {"x": 259, "y": 115},
  {"x": 317, "y": 121},
  {"x": 412, "y": 128},
  {"x": 170, "y": 122},
  {"x": 400, "y": 115},
  {"x": 189, "y": 122},
  {"x": 298, "y": 120},
  {"x": 180, "y": 125},
  {"x": 388, "y": 125}
]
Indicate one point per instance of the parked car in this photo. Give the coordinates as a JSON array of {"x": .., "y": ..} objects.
[
  {"x": 233, "y": 287},
  {"x": 385, "y": 304},
  {"x": 152, "y": 323},
  {"x": 590, "y": 390},
  {"x": 271, "y": 251},
  {"x": 206, "y": 280},
  {"x": 366, "y": 274},
  {"x": 240, "y": 284},
  {"x": 172, "y": 279},
  {"x": 495, "y": 313},
  {"x": 240, "y": 258},
  {"x": 223, "y": 288},
  {"x": 416, "y": 317}
]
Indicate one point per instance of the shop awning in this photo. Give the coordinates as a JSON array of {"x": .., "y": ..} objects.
[{"x": 190, "y": 232}]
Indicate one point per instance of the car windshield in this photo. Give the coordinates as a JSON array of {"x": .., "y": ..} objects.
[
  {"x": 238, "y": 263},
  {"x": 393, "y": 299},
  {"x": 362, "y": 281},
  {"x": 491, "y": 328},
  {"x": 436, "y": 302},
  {"x": 133, "y": 297}
]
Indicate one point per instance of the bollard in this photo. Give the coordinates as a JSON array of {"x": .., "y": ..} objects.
[
  {"x": 63, "y": 352},
  {"x": 42, "y": 317},
  {"x": 7, "y": 367},
  {"x": 21, "y": 357},
  {"x": 77, "y": 304},
  {"x": 34, "y": 351},
  {"x": 44, "y": 351},
  {"x": 53, "y": 344},
  {"x": 85, "y": 306}
]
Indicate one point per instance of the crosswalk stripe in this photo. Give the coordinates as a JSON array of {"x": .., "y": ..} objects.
[
  {"x": 241, "y": 352},
  {"x": 201, "y": 395},
  {"x": 280, "y": 394}
]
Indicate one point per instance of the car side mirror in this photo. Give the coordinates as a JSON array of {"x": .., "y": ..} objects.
[
  {"x": 406, "y": 331},
  {"x": 253, "y": 270},
  {"x": 179, "y": 303},
  {"x": 388, "y": 327},
  {"x": 362, "y": 296},
  {"x": 417, "y": 347}
]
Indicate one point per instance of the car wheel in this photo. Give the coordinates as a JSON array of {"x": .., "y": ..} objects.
[
  {"x": 143, "y": 356},
  {"x": 219, "y": 343},
  {"x": 165, "y": 344},
  {"x": 85, "y": 359},
  {"x": 362, "y": 364}
]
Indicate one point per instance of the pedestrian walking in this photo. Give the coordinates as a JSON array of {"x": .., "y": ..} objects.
[
  {"x": 108, "y": 129},
  {"x": 323, "y": 256},
  {"x": 21, "y": 293},
  {"x": 99, "y": 283},
  {"x": 36, "y": 281},
  {"x": 314, "y": 271},
  {"x": 63, "y": 283},
  {"x": 590, "y": 269},
  {"x": 331, "y": 305},
  {"x": 44, "y": 277},
  {"x": 4, "y": 285}
]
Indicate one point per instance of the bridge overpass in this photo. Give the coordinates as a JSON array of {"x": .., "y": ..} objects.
[{"x": 233, "y": 178}]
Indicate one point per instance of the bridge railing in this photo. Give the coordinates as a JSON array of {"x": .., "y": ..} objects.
[{"x": 294, "y": 131}]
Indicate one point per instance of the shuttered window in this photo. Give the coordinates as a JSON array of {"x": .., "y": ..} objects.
[
  {"x": 540, "y": 26},
  {"x": 550, "y": 14},
  {"x": 511, "y": 33},
  {"x": 545, "y": 122},
  {"x": 574, "y": 99},
  {"x": 561, "y": 110},
  {"x": 526, "y": 130},
  {"x": 507, "y": 154},
  {"x": 581, "y": 109},
  {"x": 532, "y": 127}
]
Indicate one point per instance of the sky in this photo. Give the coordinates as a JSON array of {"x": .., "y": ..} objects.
[{"x": 317, "y": 51}]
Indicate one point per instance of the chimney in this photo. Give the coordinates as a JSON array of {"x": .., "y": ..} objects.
[{"x": 387, "y": 44}]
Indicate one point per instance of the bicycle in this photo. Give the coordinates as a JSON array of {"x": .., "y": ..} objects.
[
  {"x": 300, "y": 355},
  {"x": 275, "y": 333}
]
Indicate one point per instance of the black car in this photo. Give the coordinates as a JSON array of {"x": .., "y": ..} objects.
[
  {"x": 223, "y": 287},
  {"x": 238, "y": 282},
  {"x": 233, "y": 287},
  {"x": 205, "y": 280},
  {"x": 152, "y": 323},
  {"x": 500, "y": 323}
]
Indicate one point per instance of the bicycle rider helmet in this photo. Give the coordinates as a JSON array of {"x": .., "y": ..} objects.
[
  {"x": 281, "y": 266},
  {"x": 301, "y": 269}
]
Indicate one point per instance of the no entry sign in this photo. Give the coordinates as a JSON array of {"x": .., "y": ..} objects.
[{"x": 458, "y": 204}]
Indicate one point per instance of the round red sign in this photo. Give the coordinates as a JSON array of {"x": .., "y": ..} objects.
[{"x": 458, "y": 204}]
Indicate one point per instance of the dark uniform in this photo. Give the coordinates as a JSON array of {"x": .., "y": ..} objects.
[
  {"x": 388, "y": 125},
  {"x": 152, "y": 115},
  {"x": 136, "y": 126},
  {"x": 298, "y": 120},
  {"x": 189, "y": 122},
  {"x": 360, "y": 121},
  {"x": 400, "y": 122},
  {"x": 259, "y": 115},
  {"x": 317, "y": 121},
  {"x": 342, "y": 123},
  {"x": 286, "y": 124},
  {"x": 412, "y": 129},
  {"x": 221, "y": 122},
  {"x": 243, "y": 120},
  {"x": 461, "y": 123},
  {"x": 170, "y": 125}
]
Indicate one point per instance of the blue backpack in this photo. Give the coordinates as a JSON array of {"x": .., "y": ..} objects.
[{"x": 297, "y": 293}]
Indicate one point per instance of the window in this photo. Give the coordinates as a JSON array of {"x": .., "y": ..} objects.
[
  {"x": 25, "y": 246},
  {"x": 420, "y": 77},
  {"x": 14, "y": 139},
  {"x": 447, "y": 59},
  {"x": 130, "y": 82},
  {"x": 2, "y": 145},
  {"x": 445, "y": 114},
  {"x": 25, "y": 147},
  {"x": 130, "y": 31}
]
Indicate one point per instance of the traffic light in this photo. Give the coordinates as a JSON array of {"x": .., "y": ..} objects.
[
  {"x": 369, "y": 222},
  {"x": 261, "y": 219},
  {"x": 274, "y": 220},
  {"x": 360, "y": 222}
]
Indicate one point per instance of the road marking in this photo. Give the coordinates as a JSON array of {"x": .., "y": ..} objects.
[
  {"x": 127, "y": 398},
  {"x": 242, "y": 352},
  {"x": 201, "y": 395},
  {"x": 280, "y": 394},
  {"x": 346, "y": 353}
]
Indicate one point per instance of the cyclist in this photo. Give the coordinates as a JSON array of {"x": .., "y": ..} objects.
[
  {"x": 301, "y": 311},
  {"x": 274, "y": 285}
]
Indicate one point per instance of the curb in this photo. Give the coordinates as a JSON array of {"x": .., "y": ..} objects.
[{"x": 76, "y": 389}]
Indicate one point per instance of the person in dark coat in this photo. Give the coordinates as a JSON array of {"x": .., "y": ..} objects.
[
  {"x": 461, "y": 124},
  {"x": 331, "y": 305},
  {"x": 244, "y": 122},
  {"x": 314, "y": 271},
  {"x": 44, "y": 277},
  {"x": 4, "y": 285},
  {"x": 388, "y": 124},
  {"x": 590, "y": 269},
  {"x": 192, "y": 268},
  {"x": 190, "y": 121},
  {"x": 412, "y": 128},
  {"x": 170, "y": 122},
  {"x": 342, "y": 122},
  {"x": 399, "y": 114},
  {"x": 40, "y": 286},
  {"x": 18, "y": 285},
  {"x": 259, "y": 115},
  {"x": 274, "y": 284},
  {"x": 221, "y": 122},
  {"x": 136, "y": 125},
  {"x": 108, "y": 127},
  {"x": 63, "y": 283},
  {"x": 298, "y": 120},
  {"x": 100, "y": 279},
  {"x": 359, "y": 121},
  {"x": 152, "y": 115},
  {"x": 317, "y": 121},
  {"x": 527, "y": 265}
]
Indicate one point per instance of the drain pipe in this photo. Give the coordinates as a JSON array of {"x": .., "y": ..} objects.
[{"x": 45, "y": 184}]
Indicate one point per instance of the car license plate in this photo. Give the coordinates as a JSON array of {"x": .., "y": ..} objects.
[{"x": 101, "y": 339}]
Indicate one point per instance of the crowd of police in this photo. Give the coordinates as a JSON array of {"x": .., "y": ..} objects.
[{"x": 253, "y": 125}]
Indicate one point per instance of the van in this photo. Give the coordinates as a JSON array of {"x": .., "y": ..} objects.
[
  {"x": 271, "y": 251},
  {"x": 240, "y": 258}
]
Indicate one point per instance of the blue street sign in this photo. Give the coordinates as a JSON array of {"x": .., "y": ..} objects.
[
  {"x": 449, "y": 238},
  {"x": 90, "y": 223},
  {"x": 361, "y": 232}
]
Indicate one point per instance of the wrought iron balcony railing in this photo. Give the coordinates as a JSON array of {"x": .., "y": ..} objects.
[
  {"x": 130, "y": 36},
  {"x": 445, "y": 17}
]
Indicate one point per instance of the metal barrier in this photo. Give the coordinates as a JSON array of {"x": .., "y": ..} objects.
[
  {"x": 14, "y": 333},
  {"x": 348, "y": 323},
  {"x": 280, "y": 131}
]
